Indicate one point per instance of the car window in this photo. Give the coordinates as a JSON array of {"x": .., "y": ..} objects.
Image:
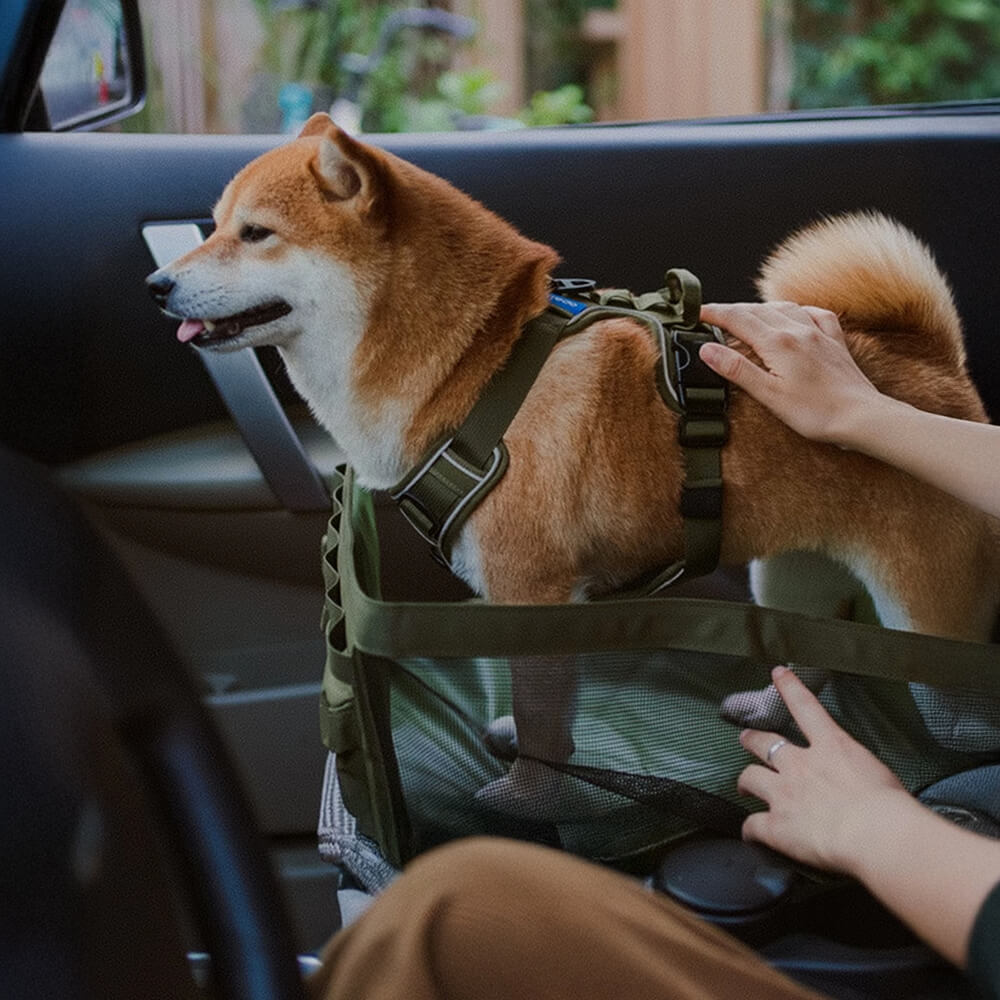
[
  {"x": 262, "y": 66},
  {"x": 842, "y": 53}
]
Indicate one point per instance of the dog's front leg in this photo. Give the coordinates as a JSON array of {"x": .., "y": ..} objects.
[{"x": 537, "y": 736}]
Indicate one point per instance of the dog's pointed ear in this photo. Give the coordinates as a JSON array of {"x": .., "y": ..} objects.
[
  {"x": 316, "y": 125},
  {"x": 343, "y": 167}
]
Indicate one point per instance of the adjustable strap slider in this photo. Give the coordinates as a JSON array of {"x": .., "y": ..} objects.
[
  {"x": 701, "y": 432},
  {"x": 438, "y": 495},
  {"x": 702, "y": 393},
  {"x": 696, "y": 381}
]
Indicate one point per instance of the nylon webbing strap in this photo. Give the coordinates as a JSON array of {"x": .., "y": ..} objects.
[
  {"x": 702, "y": 433},
  {"x": 444, "y": 489},
  {"x": 699, "y": 396}
]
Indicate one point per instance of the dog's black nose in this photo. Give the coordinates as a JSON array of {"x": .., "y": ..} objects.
[{"x": 160, "y": 286}]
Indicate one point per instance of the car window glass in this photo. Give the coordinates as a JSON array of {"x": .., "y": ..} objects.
[{"x": 389, "y": 65}]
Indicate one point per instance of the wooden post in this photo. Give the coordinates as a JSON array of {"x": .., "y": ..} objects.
[
  {"x": 498, "y": 47},
  {"x": 690, "y": 58},
  {"x": 602, "y": 30},
  {"x": 176, "y": 33},
  {"x": 237, "y": 34}
]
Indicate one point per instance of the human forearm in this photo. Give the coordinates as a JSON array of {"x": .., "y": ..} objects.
[
  {"x": 932, "y": 874},
  {"x": 957, "y": 456}
]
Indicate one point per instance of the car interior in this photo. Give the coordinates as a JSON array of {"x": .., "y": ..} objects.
[{"x": 162, "y": 513}]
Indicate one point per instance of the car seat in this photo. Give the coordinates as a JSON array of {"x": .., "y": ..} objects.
[{"x": 122, "y": 826}]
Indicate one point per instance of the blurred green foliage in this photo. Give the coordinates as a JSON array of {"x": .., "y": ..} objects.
[
  {"x": 564, "y": 105},
  {"x": 840, "y": 53},
  {"x": 413, "y": 88},
  {"x": 859, "y": 52}
]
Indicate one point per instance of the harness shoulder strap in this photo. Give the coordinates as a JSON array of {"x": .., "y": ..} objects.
[{"x": 440, "y": 494}]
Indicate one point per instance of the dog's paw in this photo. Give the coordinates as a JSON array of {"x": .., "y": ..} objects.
[
  {"x": 532, "y": 791},
  {"x": 763, "y": 708},
  {"x": 759, "y": 709},
  {"x": 525, "y": 791},
  {"x": 500, "y": 738}
]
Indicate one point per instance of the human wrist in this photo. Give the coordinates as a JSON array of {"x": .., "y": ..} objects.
[
  {"x": 861, "y": 424},
  {"x": 873, "y": 834}
]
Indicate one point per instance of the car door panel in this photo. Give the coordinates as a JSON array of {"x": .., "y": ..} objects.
[
  {"x": 620, "y": 204},
  {"x": 101, "y": 368}
]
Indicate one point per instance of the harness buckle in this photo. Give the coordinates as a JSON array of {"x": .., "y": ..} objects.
[{"x": 569, "y": 297}]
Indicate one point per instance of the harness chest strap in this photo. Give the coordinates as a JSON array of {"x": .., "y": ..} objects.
[{"x": 438, "y": 496}]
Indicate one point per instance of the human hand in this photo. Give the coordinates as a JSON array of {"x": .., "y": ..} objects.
[
  {"x": 823, "y": 798},
  {"x": 806, "y": 375}
]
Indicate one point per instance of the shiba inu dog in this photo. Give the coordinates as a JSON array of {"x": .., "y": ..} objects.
[{"x": 393, "y": 298}]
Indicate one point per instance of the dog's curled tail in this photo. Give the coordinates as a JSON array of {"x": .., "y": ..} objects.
[{"x": 876, "y": 275}]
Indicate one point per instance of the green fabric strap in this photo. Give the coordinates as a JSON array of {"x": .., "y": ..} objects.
[
  {"x": 702, "y": 432},
  {"x": 697, "y": 395},
  {"x": 438, "y": 497},
  {"x": 364, "y": 633}
]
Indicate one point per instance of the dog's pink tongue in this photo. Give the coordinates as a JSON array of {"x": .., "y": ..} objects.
[{"x": 189, "y": 329}]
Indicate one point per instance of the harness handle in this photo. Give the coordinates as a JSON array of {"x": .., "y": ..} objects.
[{"x": 684, "y": 289}]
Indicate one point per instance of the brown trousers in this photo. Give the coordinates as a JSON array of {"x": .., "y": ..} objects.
[{"x": 483, "y": 919}]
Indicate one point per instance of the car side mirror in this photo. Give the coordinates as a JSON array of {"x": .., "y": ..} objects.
[{"x": 94, "y": 71}]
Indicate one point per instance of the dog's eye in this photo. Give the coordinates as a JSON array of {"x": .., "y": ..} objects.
[{"x": 254, "y": 234}]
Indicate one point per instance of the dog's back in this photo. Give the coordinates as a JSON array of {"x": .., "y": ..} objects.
[{"x": 604, "y": 494}]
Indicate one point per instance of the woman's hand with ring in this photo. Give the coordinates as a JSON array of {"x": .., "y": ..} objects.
[
  {"x": 772, "y": 750},
  {"x": 820, "y": 797}
]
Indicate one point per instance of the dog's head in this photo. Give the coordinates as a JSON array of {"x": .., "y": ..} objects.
[
  {"x": 296, "y": 233},
  {"x": 385, "y": 288}
]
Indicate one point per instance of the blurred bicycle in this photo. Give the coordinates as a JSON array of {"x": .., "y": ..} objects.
[{"x": 347, "y": 110}]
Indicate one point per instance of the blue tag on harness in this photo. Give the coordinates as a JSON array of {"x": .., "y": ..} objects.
[{"x": 571, "y": 307}]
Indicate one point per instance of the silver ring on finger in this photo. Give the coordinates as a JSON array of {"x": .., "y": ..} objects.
[{"x": 772, "y": 750}]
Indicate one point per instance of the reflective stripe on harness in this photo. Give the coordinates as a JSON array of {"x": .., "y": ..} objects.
[{"x": 438, "y": 496}]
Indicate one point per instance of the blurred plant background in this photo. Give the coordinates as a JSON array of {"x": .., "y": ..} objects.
[
  {"x": 858, "y": 52},
  {"x": 265, "y": 65}
]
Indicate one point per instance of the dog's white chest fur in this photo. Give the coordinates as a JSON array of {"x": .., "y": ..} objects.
[{"x": 320, "y": 360}]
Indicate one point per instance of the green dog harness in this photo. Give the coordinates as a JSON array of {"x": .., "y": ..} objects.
[{"x": 441, "y": 492}]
